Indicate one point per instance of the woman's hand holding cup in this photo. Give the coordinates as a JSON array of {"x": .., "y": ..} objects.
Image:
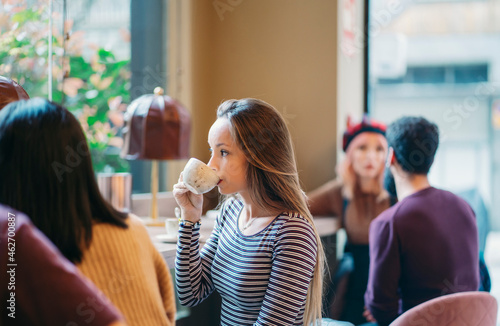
[
  {"x": 196, "y": 179},
  {"x": 191, "y": 204}
]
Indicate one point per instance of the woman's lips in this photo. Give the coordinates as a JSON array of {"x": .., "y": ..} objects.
[{"x": 219, "y": 182}]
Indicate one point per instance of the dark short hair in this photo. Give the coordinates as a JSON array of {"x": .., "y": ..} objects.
[
  {"x": 46, "y": 172},
  {"x": 415, "y": 141}
]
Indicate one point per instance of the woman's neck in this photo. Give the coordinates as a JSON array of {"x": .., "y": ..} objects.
[
  {"x": 252, "y": 209},
  {"x": 368, "y": 185}
]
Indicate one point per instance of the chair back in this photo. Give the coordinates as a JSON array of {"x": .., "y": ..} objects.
[
  {"x": 458, "y": 309},
  {"x": 332, "y": 322}
]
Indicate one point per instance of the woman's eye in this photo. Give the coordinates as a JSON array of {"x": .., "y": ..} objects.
[
  {"x": 362, "y": 147},
  {"x": 380, "y": 149},
  {"x": 223, "y": 153}
]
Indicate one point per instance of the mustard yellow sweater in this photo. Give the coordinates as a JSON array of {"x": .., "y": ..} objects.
[{"x": 126, "y": 266}]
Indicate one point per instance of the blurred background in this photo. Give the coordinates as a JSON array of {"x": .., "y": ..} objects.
[{"x": 316, "y": 61}]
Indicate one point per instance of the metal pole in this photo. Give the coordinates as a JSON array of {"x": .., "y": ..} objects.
[{"x": 51, "y": 9}]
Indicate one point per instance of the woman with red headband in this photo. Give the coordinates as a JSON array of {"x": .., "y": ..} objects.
[{"x": 357, "y": 196}]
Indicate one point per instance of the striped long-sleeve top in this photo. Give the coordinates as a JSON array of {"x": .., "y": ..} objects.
[{"x": 262, "y": 278}]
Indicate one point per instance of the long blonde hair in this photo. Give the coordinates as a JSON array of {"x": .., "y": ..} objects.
[{"x": 261, "y": 132}]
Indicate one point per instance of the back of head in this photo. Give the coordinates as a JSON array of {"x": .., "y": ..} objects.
[
  {"x": 262, "y": 134},
  {"x": 47, "y": 173},
  {"x": 415, "y": 141},
  {"x": 10, "y": 91}
]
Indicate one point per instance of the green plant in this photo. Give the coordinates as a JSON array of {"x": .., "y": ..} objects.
[{"x": 94, "y": 87}]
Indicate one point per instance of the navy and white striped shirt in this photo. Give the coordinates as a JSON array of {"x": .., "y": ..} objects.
[{"x": 262, "y": 278}]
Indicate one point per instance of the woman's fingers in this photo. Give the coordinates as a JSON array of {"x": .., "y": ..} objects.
[
  {"x": 181, "y": 194},
  {"x": 180, "y": 187},
  {"x": 185, "y": 198},
  {"x": 368, "y": 316},
  {"x": 190, "y": 204}
]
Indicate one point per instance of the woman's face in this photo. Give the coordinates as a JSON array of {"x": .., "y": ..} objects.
[
  {"x": 368, "y": 154},
  {"x": 227, "y": 160}
]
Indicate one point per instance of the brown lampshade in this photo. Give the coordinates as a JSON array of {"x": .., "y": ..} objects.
[
  {"x": 157, "y": 127},
  {"x": 10, "y": 91}
]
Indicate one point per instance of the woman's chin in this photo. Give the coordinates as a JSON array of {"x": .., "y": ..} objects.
[
  {"x": 369, "y": 175},
  {"x": 226, "y": 192},
  {"x": 221, "y": 190}
]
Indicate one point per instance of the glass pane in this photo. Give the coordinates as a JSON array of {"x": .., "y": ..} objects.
[
  {"x": 438, "y": 59},
  {"x": 93, "y": 73}
]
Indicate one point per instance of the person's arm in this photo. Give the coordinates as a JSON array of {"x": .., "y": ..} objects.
[
  {"x": 323, "y": 201},
  {"x": 292, "y": 269},
  {"x": 50, "y": 290},
  {"x": 381, "y": 297},
  {"x": 192, "y": 268}
]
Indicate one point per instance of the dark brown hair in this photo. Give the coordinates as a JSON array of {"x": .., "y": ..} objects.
[{"x": 46, "y": 172}]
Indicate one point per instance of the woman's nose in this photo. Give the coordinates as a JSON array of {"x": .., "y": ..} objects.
[
  {"x": 371, "y": 154},
  {"x": 211, "y": 164}
]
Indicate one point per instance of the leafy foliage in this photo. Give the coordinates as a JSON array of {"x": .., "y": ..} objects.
[{"x": 93, "y": 86}]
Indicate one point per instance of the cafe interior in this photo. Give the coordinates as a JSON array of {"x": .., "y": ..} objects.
[{"x": 323, "y": 64}]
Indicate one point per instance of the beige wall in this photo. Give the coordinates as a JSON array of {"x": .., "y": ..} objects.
[{"x": 282, "y": 51}]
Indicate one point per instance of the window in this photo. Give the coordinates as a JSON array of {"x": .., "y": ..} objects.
[
  {"x": 460, "y": 74},
  {"x": 438, "y": 59},
  {"x": 103, "y": 58}
]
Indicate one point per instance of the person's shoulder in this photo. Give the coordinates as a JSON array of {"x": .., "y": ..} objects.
[
  {"x": 456, "y": 201},
  {"x": 293, "y": 217},
  {"x": 135, "y": 235},
  {"x": 294, "y": 227},
  {"x": 416, "y": 203},
  {"x": 333, "y": 186},
  {"x": 135, "y": 221},
  {"x": 13, "y": 220},
  {"x": 136, "y": 225},
  {"x": 450, "y": 195},
  {"x": 390, "y": 213},
  {"x": 386, "y": 223},
  {"x": 387, "y": 217},
  {"x": 435, "y": 195},
  {"x": 327, "y": 199},
  {"x": 292, "y": 221}
]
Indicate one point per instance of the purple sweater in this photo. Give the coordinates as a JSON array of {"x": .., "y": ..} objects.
[
  {"x": 421, "y": 248},
  {"x": 45, "y": 288}
]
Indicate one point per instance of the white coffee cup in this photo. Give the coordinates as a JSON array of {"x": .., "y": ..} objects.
[
  {"x": 171, "y": 226},
  {"x": 198, "y": 177}
]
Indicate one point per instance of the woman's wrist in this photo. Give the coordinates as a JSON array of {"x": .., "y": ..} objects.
[
  {"x": 185, "y": 219},
  {"x": 187, "y": 223}
]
